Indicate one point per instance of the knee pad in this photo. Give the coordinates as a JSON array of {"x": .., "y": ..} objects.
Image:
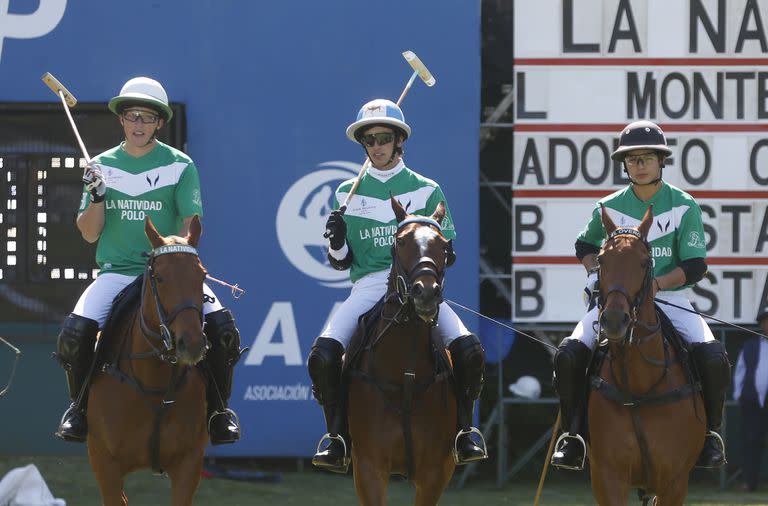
[
  {"x": 76, "y": 341},
  {"x": 571, "y": 363},
  {"x": 324, "y": 365},
  {"x": 223, "y": 336},
  {"x": 468, "y": 363}
]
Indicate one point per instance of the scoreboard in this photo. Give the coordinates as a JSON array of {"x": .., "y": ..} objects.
[{"x": 695, "y": 67}]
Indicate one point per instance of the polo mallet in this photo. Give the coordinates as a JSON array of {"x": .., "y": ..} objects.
[
  {"x": 550, "y": 450},
  {"x": 67, "y": 100},
  {"x": 420, "y": 70}
]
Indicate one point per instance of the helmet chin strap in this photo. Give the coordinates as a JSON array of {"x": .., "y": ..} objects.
[{"x": 394, "y": 156}]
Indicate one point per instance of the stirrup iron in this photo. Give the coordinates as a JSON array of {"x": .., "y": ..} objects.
[
  {"x": 563, "y": 437},
  {"x": 472, "y": 430},
  {"x": 329, "y": 437}
]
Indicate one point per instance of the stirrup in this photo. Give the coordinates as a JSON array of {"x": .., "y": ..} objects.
[
  {"x": 563, "y": 437},
  {"x": 344, "y": 462},
  {"x": 217, "y": 413},
  {"x": 718, "y": 438},
  {"x": 472, "y": 430}
]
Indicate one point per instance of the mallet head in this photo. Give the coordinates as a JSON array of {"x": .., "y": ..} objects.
[
  {"x": 56, "y": 86},
  {"x": 419, "y": 67}
]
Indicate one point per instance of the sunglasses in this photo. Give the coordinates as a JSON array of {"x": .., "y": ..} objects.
[
  {"x": 380, "y": 138},
  {"x": 638, "y": 159},
  {"x": 147, "y": 118}
]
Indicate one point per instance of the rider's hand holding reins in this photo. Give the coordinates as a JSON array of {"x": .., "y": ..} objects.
[
  {"x": 93, "y": 178},
  {"x": 336, "y": 228}
]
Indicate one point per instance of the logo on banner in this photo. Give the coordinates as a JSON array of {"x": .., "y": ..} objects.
[
  {"x": 30, "y": 26},
  {"x": 301, "y": 219}
]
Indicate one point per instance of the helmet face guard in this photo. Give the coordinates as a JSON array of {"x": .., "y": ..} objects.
[{"x": 641, "y": 135}]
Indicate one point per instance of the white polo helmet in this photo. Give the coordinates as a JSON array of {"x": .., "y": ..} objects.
[
  {"x": 143, "y": 90},
  {"x": 378, "y": 112},
  {"x": 526, "y": 386}
]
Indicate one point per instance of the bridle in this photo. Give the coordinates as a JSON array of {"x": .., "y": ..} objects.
[
  {"x": 426, "y": 266},
  {"x": 640, "y": 297},
  {"x": 165, "y": 336}
]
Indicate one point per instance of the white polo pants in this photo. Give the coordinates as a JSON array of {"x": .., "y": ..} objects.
[
  {"x": 691, "y": 326},
  {"x": 96, "y": 300},
  {"x": 365, "y": 293}
]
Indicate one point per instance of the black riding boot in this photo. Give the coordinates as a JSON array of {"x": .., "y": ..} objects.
[
  {"x": 219, "y": 364},
  {"x": 468, "y": 366},
  {"x": 75, "y": 353},
  {"x": 324, "y": 366},
  {"x": 571, "y": 363},
  {"x": 714, "y": 371}
]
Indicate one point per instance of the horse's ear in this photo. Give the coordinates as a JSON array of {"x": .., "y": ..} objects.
[
  {"x": 195, "y": 231},
  {"x": 400, "y": 213},
  {"x": 607, "y": 221},
  {"x": 155, "y": 239},
  {"x": 439, "y": 213},
  {"x": 645, "y": 225}
]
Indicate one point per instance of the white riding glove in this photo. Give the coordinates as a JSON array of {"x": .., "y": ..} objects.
[
  {"x": 94, "y": 181},
  {"x": 591, "y": 289}
]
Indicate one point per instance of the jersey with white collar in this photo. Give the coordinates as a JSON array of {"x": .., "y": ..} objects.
[
  {"x": 371, "y": 223},
  {"x": 677, "y": 232}
]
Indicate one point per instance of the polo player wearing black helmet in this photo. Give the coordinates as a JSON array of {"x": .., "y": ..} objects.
[{"x": 679, "y": 251}]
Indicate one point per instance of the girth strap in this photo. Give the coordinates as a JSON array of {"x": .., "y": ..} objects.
[{"x": 612, "y": 393}]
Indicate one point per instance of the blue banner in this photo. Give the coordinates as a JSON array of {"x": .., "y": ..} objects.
[{"x": 269, "y": 88}]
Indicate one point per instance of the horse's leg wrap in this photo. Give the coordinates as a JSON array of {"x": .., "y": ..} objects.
[
  {"x": 714, "y": 371},
  {"x": 570, "y": 380},
  {"x": 75, "y": 352}
]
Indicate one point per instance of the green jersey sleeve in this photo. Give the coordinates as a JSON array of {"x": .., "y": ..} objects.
[
  {"x": 449, "y": 230},
  {"x": 691, "y": 242},
  {"x": 188, "y": 198},
  {"x": 594, "y": 232}
]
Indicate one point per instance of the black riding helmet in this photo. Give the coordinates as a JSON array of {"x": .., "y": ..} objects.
[{"x": 642, "y": 134}]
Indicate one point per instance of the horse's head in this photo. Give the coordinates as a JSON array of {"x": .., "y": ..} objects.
[
  {"x": 174, "y": 280},
  {"x": 419, "y": 257},
  {"x": 626, "y": 272}
]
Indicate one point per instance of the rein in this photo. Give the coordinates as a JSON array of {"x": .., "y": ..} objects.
[{"x": 165, "y": 336}]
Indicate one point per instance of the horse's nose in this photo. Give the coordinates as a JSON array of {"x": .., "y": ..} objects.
[
  {"x": 614, "y": 322},
  {"x": 190, "y": 349},
  {"x": 426, "y": 292},
  {"x": 418, "y": 289}
]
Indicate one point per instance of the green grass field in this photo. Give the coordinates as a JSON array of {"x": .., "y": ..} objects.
[{"x": 70, "y": 478}]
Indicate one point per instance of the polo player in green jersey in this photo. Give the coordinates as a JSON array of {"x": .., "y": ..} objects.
[
  {"x": 139, "y": 178},
  {"x": 678, "y": 248},
  {"x": 361, "y": 241}
]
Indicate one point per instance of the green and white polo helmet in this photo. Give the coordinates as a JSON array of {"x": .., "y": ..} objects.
[{"x": 143, "y": 90}]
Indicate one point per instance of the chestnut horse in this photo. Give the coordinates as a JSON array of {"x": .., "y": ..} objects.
[
  {"x": 646, "y": 419},
  {"x": 402, "y": 406},
  {"x": 147, "y": 403}
]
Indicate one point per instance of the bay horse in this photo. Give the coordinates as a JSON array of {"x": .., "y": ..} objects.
[
  {"x": 147, "y": 404},
  {"x": 646, "y": 419},
  {"x": 402, "y": 407}
]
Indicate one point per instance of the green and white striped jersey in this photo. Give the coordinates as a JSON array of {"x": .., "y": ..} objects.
[
  {"x": 163, "y": 184},
  {"x": 371, "y": 223},
  {"x": 677, "y": 232}
]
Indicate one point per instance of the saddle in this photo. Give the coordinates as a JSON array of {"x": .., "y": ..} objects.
[
  {"x": 365, "y": 338},
  {"x": 123, "y": 305}
]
